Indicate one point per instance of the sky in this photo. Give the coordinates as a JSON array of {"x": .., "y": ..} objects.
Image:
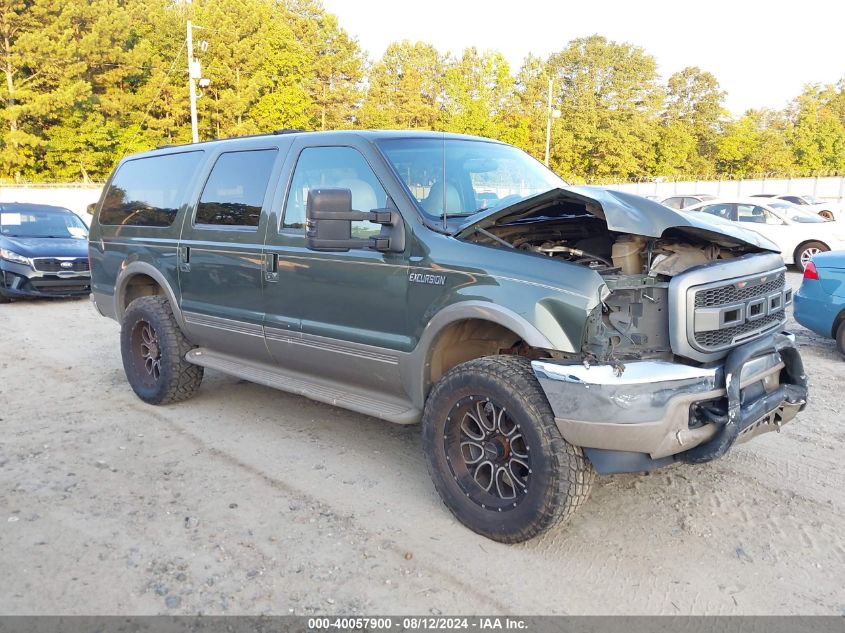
[{"x": 762, "y": 53}]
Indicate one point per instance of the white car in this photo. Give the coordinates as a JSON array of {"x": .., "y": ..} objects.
[
  {"x": 824, "y": 208},
  {"x": 799, "y": 234},
  {"x": 684, "y": 201}
]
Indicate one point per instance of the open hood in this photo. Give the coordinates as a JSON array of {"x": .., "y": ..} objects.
[{"x": 623, "y": 212}]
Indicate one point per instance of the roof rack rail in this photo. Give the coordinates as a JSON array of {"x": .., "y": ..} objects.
[{"x": 288, "y": 130}]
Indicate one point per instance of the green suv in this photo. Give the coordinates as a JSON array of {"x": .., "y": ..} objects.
[{"x": 540, "y": 332}]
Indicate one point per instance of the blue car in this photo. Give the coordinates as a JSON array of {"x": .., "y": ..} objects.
[
  {"x": 43, "y": 252},
  {"x": 820, "y": 302}
]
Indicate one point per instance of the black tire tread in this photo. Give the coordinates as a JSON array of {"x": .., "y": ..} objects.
[
  {"x": 571, "y": 488},
  {"x": 185, "y": 377}
]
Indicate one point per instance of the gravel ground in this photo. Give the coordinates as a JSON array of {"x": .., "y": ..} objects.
[{"x": 249, "y": 500}]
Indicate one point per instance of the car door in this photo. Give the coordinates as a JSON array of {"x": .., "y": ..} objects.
[
  {"x": 724, "y": 210},
  {"x": 220, "y": 255},
  {"x": 338, "y": 316},
  {"x": 767, "y": 224}
]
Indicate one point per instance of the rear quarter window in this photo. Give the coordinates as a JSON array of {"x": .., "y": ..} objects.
[
  {"x": 236, "y": 187},
  {"x": 149, "y": 191}
]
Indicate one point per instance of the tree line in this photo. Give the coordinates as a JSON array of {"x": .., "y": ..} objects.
[{"x": 87, "y": 82}]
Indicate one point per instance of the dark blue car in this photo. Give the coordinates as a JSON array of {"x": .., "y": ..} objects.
[
  {"x": 43, "y": 252},
  {"x": 820, "y": 302}
]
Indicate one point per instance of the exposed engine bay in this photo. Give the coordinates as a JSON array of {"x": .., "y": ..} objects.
[
  {"x": 633, "y": 320},
  {"x": 581, "y": 236}
]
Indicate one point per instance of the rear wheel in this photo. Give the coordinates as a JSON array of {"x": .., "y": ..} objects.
[
  {"x": 827, "y": 215},
  {"x": 495, "y": 455},
  {"x": 807, "y": 251},
  {"x": 153, "y": 349}
]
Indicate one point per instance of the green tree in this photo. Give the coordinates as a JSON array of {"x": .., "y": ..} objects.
[
  {"x": 478, "y": 94},
  {"x": 337, "y": 65},
  {"x": 690, "y": 123},
  {"x": 817, "y": 136},
  {"x": 405, "y": 88},
  {"x": 753, "y": 145},
  {"x": 609, "y": 98},
  {"x": 256, "y": 67}
]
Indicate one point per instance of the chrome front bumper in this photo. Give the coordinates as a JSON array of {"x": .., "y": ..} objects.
[{"x": 647, "y": 407}]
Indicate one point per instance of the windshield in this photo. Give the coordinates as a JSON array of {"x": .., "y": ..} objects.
[
  {"x": 458, "y": 178},
  {"x": 42, "y": 223},
  {"x": 796, "y": 213},
  {"x": 813, "y": 200}
]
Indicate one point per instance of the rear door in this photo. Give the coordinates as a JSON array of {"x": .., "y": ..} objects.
[{"x": 220, "y": 253}]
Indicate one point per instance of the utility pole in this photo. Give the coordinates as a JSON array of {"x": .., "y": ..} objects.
[
  {"x": 548, "y": 118},
  {"x": 553, "y": 113},
  {"x": 193, "y": 73}
]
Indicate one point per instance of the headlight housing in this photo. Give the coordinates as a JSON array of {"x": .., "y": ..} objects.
[{"x": 12, "y": 256}]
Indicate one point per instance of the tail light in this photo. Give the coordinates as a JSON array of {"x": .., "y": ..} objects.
[{"x": 810, "y": 271}]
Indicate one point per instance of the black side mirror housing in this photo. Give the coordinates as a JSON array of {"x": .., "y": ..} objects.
[{"x": 328, "y": 223}]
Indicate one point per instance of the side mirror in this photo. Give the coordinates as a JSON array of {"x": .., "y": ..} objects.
[
  {"x": 328, "y": 223},
  {"x": 91, "y": 208}
]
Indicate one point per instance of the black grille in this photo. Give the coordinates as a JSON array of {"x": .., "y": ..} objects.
[
  {"x": 726, "y": 295},
  {"x": 717, "y": 339},
  {"x": 57, "y": 288},
  {"x": 54, "y": 265}
]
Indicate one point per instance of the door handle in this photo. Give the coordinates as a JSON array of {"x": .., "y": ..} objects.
[
  {"x": 185, "y": 259},
  {"x": 271, "y": 267}
]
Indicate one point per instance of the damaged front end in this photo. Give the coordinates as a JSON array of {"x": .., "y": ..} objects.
[{"x": 684, "y": 355}]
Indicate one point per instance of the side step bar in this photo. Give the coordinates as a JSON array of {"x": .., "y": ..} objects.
[{"x": 368, "y": 403}]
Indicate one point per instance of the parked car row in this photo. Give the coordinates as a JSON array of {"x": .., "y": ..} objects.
[
  {"x": 798, "y": 234},
  {"x": 826, "y": 209}
]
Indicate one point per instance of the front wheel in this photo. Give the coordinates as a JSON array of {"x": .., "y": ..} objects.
[
  {"x": 807, "y": 251},
  {"x": 495, "y": 455},
  {"x": 153, "y": 349}
]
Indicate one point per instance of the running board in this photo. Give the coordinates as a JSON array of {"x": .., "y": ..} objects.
[{"x": 393, "y": 410}]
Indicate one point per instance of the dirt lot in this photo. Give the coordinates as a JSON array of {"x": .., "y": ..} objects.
[{"x": 248, "y": 500}]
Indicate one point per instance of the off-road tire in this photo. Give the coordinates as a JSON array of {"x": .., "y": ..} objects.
[
  {"x": 560, "y": 476},
  {"x": 808, "y": 247},
  {"x": 175, "y": 379},
  {"x": 840, "y": 338}
]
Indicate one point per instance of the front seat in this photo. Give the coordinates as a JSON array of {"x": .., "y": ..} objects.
[
  {"x": 433, "y": 202},
  {"x": 363, "y": 194}
]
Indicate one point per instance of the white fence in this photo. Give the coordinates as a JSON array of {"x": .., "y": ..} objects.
[{"x": 828, "y": 188}]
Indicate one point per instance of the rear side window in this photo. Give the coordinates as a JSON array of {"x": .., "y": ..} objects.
[
  {"x": 725, "y": 211},
  {"x": 235, "y": 190},
  {"x": 674, "y": 203},
  {"x": 149, "y": 191}
]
